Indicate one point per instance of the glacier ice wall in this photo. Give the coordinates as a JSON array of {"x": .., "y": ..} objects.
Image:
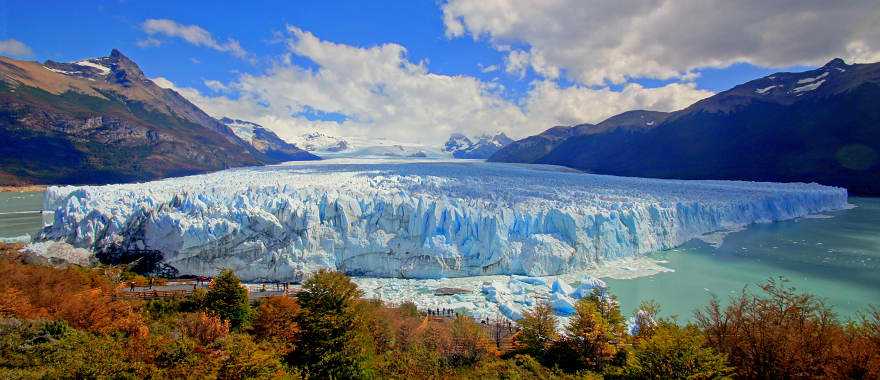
[{"x": 413, "y": 219}]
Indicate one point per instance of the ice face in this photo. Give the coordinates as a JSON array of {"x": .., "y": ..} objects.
[{"x": 413, "y": 219}]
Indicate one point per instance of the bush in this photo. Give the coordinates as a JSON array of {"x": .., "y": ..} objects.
[
  {"x": 246, "y": 359},
  {"x": 228, "y": 299},
  {"x": 470, "y": 343},
  {"x": 780, "y": 334},
  {"x": 204, "y": 328},
  {"x": 674, "y": 352}
]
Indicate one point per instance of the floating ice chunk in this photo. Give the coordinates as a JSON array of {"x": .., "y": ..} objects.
[
  {"x": 562, "y": 304},
  {"x": 531, "y": 280},
  {"x": 511, "y": 311},
  {"x": 586, "y": 287},
  {"x": 561, "y": 287},
  {"x": 61, "y": 250}
]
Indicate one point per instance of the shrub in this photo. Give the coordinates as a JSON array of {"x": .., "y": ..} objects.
[
  {"x": 246, "y": 359},
  {"x": 204, "y": 328},
  {"x": 674, "y": 352},
  {"x": 470, "y": 343}
]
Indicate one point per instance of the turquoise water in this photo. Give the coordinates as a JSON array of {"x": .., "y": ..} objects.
[
  {"x": 837, "y": 258},
  {"x": 13, "y": 224}
]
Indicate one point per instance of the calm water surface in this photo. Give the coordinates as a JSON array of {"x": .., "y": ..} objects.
[
  {"x": 837, "y": 258},
  {"x": 13, "y": 224}
]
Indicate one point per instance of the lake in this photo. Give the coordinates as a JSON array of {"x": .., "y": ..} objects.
[{"x": 836, "y": 257}]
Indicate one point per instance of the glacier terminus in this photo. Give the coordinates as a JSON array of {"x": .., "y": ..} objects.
[{"x": 411, "y": 218}]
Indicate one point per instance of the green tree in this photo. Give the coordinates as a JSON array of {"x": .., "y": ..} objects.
[
  {"x": 595, "y": 336},
  {"x": 228, "y": 299},
  {"x": 674, "y": 352},
  {"x": 537, "y": 331},
  {"x": 328, "y": 337}
]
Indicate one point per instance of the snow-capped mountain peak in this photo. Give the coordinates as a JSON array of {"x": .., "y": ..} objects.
[
  {"x": 485, "y": 145},
  {"x": 319, "y": 142}
]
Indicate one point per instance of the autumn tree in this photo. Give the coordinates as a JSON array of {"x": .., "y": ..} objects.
[
  {"x": 228, "y": 299},
  {"x": 275, "y": 319},
  {"x": 203, "y": 327},
  {"x": 595, "y": 336},
  {"x": 537, "y": 331},
  {"x": 778, "y": 334}
]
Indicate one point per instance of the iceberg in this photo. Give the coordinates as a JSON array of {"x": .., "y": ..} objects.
[{"x": 410, "y": 218}]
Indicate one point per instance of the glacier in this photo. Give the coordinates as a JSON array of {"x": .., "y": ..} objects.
[{"x": 411, "y": 218}]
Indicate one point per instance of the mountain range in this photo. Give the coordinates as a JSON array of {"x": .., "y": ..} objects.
[
  {"x": 266, "y": 141},
  {"x": 821, "y": 125},
  {"x": 102, "y": 120},
  {"x": 485, "y": 145}
]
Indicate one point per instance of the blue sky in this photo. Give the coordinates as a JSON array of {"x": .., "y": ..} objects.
[{"x": 459, "y": 39}]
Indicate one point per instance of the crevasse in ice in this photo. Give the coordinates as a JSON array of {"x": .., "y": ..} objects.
[{"x": 413, "y": 219}]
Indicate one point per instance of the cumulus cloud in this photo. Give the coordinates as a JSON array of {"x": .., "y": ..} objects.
[
  {"x": 550, "y": 104},
  {"x": 193, "y": 34},
  {"x": 15, "y": 48},
  {"x": 380, "y": 93},
  {"x": 595, "y": 42}
]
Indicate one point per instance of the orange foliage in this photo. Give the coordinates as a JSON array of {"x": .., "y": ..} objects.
[
  {"x": 203, "y": 327},
  {"x": 14, "y": 303},
  {"x": 785, "y": 334},
  {"x": 82, "y": 297},
  {"x": 275, "y": 319}
]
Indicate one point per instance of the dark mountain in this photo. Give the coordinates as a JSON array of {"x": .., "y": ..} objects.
[
  {"x": 533, "y": 148},
  {"x": 462, "y": 147},
  {"x": 101, "y": 121},
  {"x": 819, "y": 126},
  {"x": 266, "y": 141}
]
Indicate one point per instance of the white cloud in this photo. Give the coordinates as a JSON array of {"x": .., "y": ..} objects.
[
  {"x": 594, "y": 42},
  {"x": 551, "y": 105},
  {"x": 15, "y": 48},
  {"x": 215, "y": 85},
  {"x": 383, "y": 94},
  {"x": 193, "y": 34},
  {"x": 487, "y": 69},
  {"x": 149, "y": 42},
  {"x": 516, "y": 62}
]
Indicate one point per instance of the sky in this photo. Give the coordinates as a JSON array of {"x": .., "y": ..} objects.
[{"x": 417, "y": 71}]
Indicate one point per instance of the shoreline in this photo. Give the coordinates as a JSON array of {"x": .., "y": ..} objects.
[{"x": 23, "y": 189}]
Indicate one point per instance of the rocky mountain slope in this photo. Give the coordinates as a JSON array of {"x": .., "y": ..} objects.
[
  {"x": 820, "y": 126},
  {"x": 486, "y": 145},
  {"x": 103, "y": 121},
  {"x": 266, "y": 141}
]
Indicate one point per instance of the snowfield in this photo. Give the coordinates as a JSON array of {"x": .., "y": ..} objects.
[{"x": 412, "y": 218}]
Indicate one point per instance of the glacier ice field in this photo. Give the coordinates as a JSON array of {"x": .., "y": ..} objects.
[{"x": 413, "y": 218}]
